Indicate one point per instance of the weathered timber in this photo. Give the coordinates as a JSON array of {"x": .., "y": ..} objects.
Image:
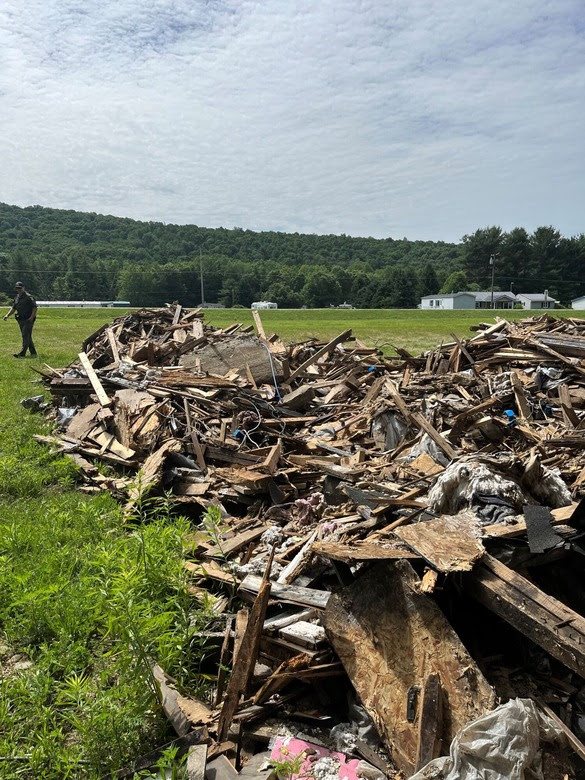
[{"x": 548, "y": 622}]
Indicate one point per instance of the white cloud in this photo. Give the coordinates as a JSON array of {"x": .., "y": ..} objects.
[{"x": 425, "y": 119}]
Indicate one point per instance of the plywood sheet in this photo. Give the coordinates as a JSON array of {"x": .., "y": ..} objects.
[
  {"x": 389, "y": 638},
  {"x": 449, "y": 543}
]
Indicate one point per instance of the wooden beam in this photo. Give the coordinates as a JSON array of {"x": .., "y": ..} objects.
[
  {"x": 520, "y": 396},
  {"x": 319, "y": 354},
  {"x": 439, "y": 440},
  {"x": 360, "y": 551},
  {"x": 429, "y": 723},
  {"x": 194, "y": 438},
  {"x": 569, "y": 414},
  {"x": 397, "y": 398},
  {"x": 94, "y": 379},
  {"x": 113, "y": 344},
  {"x": 258, "y": 323},
  {"x": 196, "y": 761},
  {"x": 293, "y": 594},
  {"x": 547, "y": 622},
  {"x": 246, "y": 658},
  {"x": 571, "y": 738}
]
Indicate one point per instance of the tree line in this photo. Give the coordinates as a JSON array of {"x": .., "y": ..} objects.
[{"x": 68, "y": 255}]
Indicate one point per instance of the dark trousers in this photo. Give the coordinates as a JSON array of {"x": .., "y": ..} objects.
[{"x": 26, "y": 328}]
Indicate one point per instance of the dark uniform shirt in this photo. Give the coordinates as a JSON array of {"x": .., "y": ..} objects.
[{"x": 24, "y": 305}]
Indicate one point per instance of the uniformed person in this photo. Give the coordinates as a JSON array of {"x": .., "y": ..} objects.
[{"x": 25, "y": 309}]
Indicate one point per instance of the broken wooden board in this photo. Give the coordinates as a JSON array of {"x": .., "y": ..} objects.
[
  {"x": 549, "y": 623},
  {"x": 150, "y": 473},
  {"x": 227, "y": 547},
  {"x": 196, "y": 761},
  {"x": 449, "y": 543},
  {"x": 168, "y": 698},
  {"x": 325, "y": 350},
  {"x": 292, "y": 594},
  {"x": 390, "y": 638},
  {"x": 360, "y": 551},
  {"x": 102, "y": 396},
  {"x": 245, "y": 660},
  {"x": 429, "y": 726}
]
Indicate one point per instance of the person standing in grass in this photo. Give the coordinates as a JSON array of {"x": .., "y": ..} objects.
[{"x": 25, "y": 307}]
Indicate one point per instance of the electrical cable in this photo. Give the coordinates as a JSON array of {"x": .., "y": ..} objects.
[{"x": 273, "y": 373}]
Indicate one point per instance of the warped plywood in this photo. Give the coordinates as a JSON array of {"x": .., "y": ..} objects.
[
  {"x": 390, "y": 638},
  {"x": 449, "y": 543}
]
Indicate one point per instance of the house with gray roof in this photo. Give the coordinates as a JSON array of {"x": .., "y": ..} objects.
[
  {"x": 499, "y": 299},
  {"x": 537, "y": 300}
]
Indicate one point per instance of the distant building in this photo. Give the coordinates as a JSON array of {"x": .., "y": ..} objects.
[
  {"x": 483, "y": 300},
  {"x": 502, "y": 300},
  {"x": 537, "y": 300},
  {"x": 459, "y": 300},
  {"x": 264, "y": 305},
  {"x": 578, "y": 303},
  {"x": 84, "y": 304}
]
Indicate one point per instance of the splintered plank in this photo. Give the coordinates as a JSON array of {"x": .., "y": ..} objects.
[
  {"x": 389, "y": 638},
  {"x": 194, "y": 438},
  {"x": 449, "y": 543},
  {"x": 150, "y": 473},
  {"x": 258, "y": 323},
  {"x": 429, "y": 726},
  {"x": 293, "y": 594},
  {"x": 319, "y": 354},
  {"x": 94, "y": 379},
  {"x": 196, "y": 761},
  {"x": 360, "y": 551},
  {"x": 520, "y": 396},
  {"x": 569, "y": 415},
  {"x": 235, "y": 543},
  {"x": 245, "y": 660},
  {"x": 549, "y": 623},
  {"x": 439, "y": 440},
  {"x": 113, "y": 344}
]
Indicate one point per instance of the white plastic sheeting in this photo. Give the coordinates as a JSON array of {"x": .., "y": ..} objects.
[{"x": 500, "y": 745}]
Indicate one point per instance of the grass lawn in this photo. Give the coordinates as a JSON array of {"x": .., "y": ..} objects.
[{"x": 85, "y": 602}]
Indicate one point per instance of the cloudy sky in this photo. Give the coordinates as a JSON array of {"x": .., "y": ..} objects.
[{"x": 425, "y": 119}]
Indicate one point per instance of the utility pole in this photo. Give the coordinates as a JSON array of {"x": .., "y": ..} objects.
[
  {"x": 493, "y": 265},
  {"x": 201, "y": 277}
]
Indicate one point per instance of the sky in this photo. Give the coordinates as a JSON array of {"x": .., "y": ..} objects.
[{"x": 424, "y": 119}]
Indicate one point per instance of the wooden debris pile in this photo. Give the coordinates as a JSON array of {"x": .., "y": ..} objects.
[{"x": 376, "y": 513}]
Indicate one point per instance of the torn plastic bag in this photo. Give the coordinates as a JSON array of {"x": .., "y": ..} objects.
[
  {"x": 498, "y": 746},
  {"x": 388, "y": 431}
]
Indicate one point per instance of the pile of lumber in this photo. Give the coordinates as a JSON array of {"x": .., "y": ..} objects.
[{"x": 369, "y": 509}]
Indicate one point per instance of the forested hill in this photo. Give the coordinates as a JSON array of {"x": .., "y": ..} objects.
[{"x": 75, "y": 255}]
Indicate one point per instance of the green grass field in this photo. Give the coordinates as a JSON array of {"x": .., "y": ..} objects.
[
  {"x": 86, "y": 601},
  {"x": 59, "y": 332}
]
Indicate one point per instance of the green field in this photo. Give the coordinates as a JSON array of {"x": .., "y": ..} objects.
[
  {"x": 86, "y": 601},
  {"x": 59, "y": 332}
]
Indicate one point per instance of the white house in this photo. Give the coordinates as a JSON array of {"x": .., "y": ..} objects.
[
  {"x": 502, "y": 300},
  {"x": 578, "y": 303},
  {"x": 264, "y": 305},
  {"x": 483, "y": 300},
  {"x": 459, "y": 300},
  {"x": 536, "y": 300}
]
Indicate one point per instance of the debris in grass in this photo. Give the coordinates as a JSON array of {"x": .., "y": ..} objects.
[{"x": 373, "y": 510}]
